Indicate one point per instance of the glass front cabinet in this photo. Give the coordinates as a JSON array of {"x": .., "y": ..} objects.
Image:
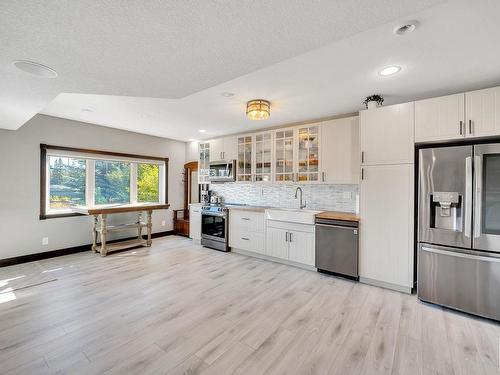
[
  {"x": 244, "y": 162},
  {"x": 263, "y": 157},
  {"x": 204, "y": 162},
  {"x": 308, "y": 154},
  {"x": 281, "y": 155},
  {"x": 284, "y": 155},
  {"x": 297, "y": 154}
]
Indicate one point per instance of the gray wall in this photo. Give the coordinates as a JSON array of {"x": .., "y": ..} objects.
[{"x": 21, "y": 231}]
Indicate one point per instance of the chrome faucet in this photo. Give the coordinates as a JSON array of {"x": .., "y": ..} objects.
[{"x": 302, "y": 205}]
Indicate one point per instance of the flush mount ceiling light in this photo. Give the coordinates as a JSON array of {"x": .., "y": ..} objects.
[
  {"x": 389, "y": 71},
  {"x": 405, "y": 28},
  {"x": 258, "y": 109},
  {"x": 202, "y": 130},
  {"x": 35, "y": 68}
]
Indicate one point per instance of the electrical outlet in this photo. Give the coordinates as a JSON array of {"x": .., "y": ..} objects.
[
  {"x": 45, "y": 241},
  {"x": 347, "y": 195},
  {"x": 163, "y": 223}
]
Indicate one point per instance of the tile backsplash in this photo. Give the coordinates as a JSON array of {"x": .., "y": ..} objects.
[{"x": 343, "y": 198}]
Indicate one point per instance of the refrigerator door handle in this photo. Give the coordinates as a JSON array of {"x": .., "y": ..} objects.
[
  {"x": 478, "y": 171},
  {"x": 468, "y": 196}
]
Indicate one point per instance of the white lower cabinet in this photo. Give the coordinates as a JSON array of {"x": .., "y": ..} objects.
[
  {"x": 246, "y": 231},
  {"x": 292, "y": 242},
  {"x": 249, "y": 231},
  {"x": 276, "y": 243},
  {"x": 195, "y": 222},
  {"x": 301, "y": 247},
  {"x": 386, "y": 240}
]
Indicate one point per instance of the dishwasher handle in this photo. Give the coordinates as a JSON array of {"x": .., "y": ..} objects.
[{"x": 337, "y": 223}]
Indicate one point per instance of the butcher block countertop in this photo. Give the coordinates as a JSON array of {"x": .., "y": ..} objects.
[{"x": 347, "y": 216}]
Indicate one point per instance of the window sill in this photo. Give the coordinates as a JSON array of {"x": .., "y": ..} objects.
[{"x": 61, "y": 215}]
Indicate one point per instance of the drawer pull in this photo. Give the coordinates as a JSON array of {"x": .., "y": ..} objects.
[
  {"x": 245, "y": 218},
  {"x": 246, "y": 239}
]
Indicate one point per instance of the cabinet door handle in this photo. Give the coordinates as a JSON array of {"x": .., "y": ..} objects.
[
  {"x": 323, "y": 176},
  {"x": 461, "y": 127},
  {"x": 246, "y": 239},
  {"x": 362, "y": 173},
  {"x": 362, "y": 156},
  {"x": 470, "y": 126},
  {"x": 286, "y": 236},
  {"x": 290, "y": 236}
]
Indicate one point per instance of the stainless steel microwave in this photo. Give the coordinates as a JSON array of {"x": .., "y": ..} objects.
[{"x": 222, "y": 171}]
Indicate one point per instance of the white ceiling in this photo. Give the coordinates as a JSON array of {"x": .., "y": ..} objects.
[{"x": 160, "y": 69}]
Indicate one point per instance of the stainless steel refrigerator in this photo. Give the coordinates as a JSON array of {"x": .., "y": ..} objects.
[{"x": 459, "y": 228}]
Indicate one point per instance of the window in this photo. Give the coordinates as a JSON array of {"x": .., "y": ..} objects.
[
  {"x": 112, "y": 182},
  {"x": 67, "y": 182},
  {"x": 72, "y": 177},
  {"x": 148, "y": 182}
]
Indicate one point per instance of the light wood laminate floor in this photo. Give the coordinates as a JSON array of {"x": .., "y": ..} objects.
[{"x": 179, "y": 308}]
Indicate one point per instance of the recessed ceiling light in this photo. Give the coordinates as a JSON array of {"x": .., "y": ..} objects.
[
  {"x": 35, "y": 68},
  {"x": 389, "y": 71},
  {"x": 87, "y": 110},
  {"x": 192, "y": 140},
  {"x": 202, "y": 130},
  {"x": 227, "y": 94},
  {"x": 405, "y": 28}
]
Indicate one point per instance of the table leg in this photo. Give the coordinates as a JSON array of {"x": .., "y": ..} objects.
[
  {"x": 139, "y": 226},
  {"x": 149, "y": 226},
  {"x": 95, "y": 220},
  {"x": 104, "y": 249}
]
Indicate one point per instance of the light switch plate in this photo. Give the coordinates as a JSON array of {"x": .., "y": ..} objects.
[
  {"x": 45, "y": 241},
  {"x": 163, "y": 223}
]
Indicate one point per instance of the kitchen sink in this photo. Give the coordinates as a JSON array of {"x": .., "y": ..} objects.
[{"x": 292, "y": 215}]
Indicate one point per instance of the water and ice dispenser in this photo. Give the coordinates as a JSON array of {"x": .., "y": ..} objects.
[{"x": 446, "y": 211}]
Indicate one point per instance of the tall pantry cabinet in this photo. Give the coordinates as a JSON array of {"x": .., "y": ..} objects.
[{"x": 387, "y": 196}]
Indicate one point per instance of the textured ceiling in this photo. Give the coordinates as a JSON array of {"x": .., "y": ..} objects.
[
  {"x": 453, "y": 50},
  {"x": 164, "y": 49}
]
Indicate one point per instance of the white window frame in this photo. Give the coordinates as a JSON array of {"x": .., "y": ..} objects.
[{"x": 90, "y": 178}]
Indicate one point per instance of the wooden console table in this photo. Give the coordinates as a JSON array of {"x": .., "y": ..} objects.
[{"x": 101, "y": 228}]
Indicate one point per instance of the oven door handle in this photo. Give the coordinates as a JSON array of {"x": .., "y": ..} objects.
[{"x": 213, "y": 214}]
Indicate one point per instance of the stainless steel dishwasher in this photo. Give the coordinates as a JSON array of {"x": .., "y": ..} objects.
[{"x": 337, "y": 247}]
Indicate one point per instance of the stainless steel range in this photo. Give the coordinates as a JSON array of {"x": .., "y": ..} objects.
[
  {"x": 459, "y": 228},
  {"x": 214, "y": 227}
]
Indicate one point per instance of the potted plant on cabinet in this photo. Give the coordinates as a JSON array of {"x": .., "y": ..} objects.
[{"x": 373, "y": 101}]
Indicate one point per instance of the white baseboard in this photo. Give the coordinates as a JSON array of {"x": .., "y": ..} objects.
[
  {"x": 383, "y": 284},
  {"x": 273, "y": 259}
]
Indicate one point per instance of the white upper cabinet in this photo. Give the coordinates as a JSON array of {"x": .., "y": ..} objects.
[
  {"x": 483, "y": 112},
  {"x": 230, "y": 151},
  {"x": 308, "y": 153},
  {"x": 216, "y": 149},
  {"x": 340, "y": 151},
  {"x": 244, "y": 158},
  {"x": 203, "y": 160},
  {"x": 387, "y": 134},
  {"x": 263, "y": 157},
  {"x": 284, "y": 155},
  {"x": 440, "y": 118},
  {"x": 223, "y": 149}
]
